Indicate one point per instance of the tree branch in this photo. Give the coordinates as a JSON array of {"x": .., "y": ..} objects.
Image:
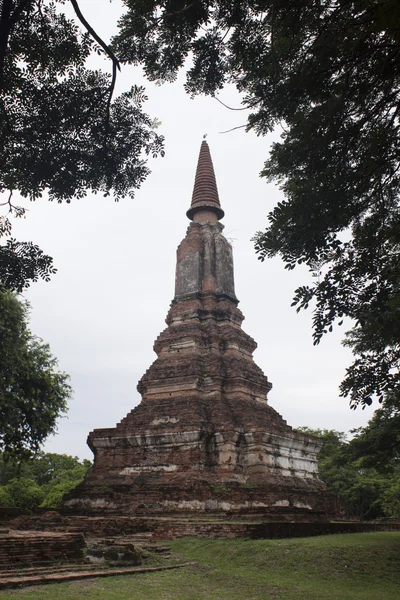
[
  {"x": 107, "y": 50},
  {"x": 226, "y": 106},
  {"x": 94, "y": 35},
  {"x": 18, "y": 210},
  {"x": 233, "y": 128}
]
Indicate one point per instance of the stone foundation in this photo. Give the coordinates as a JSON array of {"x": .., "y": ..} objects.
[{"x": 171, "y": 528}]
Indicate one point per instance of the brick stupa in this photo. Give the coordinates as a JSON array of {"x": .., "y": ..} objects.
[{"x": 203, "y": 438}]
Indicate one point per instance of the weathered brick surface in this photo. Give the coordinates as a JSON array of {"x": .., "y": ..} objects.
[
  {"x": 204, "y": 438},
  {"x": 205, "y": 192},
  {"x": 89, "y": 526},
  {"x": 170, "y": 530},
  {"x": 30, "y": 548},
  {"x": 147, "y": 530}
]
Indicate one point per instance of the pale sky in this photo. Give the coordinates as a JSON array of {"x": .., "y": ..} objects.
[{"x": 107, "y": 304}]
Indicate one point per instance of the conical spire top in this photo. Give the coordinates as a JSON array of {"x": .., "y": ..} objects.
[{"x": 205, "y": 192}]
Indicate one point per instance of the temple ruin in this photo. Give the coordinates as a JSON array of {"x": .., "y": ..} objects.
[{"x": 204, "y": 438}]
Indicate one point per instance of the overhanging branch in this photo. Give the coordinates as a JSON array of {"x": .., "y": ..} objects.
[{"x": 107, "y": 50}]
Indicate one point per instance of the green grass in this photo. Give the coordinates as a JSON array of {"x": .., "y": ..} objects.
[{"x": 337, "y": 567}]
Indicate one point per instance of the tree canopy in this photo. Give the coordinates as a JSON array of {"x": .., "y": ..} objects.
[
  {"x": 33, "y": 394},
  {"x": 61, "y": 130},
  {"x": 328, "y": 71}
]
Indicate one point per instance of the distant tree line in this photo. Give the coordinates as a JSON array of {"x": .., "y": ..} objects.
[
  {"x": 365, "y": 471},
  {"x": 40, "y": 481}
]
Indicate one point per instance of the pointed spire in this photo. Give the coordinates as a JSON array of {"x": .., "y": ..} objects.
[{"x": 205, "y": 192}]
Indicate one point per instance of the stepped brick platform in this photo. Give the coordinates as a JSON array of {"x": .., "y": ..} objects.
[
  {"x": 21, "y": 548},
  {"x": 112, "y": 526},
  {"x": 92, "y": 527},
  {"x": 145, "y": 532},
  {"x": 204, "y": 438},
  {"x": 23, "y": 578},
  {"x": 169, "y": 530}
]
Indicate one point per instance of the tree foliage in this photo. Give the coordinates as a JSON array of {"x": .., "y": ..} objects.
[
  {"x": 378, "y": 444},
  {"x": 21, "y": 263},
  {"x": 61, "y": 130},
  {"x": 33, "y": 394},
  {"x": 365, "y": 471},
  {"x": 41, "y": 480},
  {"x": 329, "y": 72}
]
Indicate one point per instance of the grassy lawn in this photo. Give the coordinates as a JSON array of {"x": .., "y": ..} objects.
[{"x": 337, "y": 567}]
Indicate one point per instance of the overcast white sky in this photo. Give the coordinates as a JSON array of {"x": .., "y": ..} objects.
[{"x": 116, "y": 264}]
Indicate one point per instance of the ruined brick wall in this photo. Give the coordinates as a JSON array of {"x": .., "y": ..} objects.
[{"x": 33, "y": 548}]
